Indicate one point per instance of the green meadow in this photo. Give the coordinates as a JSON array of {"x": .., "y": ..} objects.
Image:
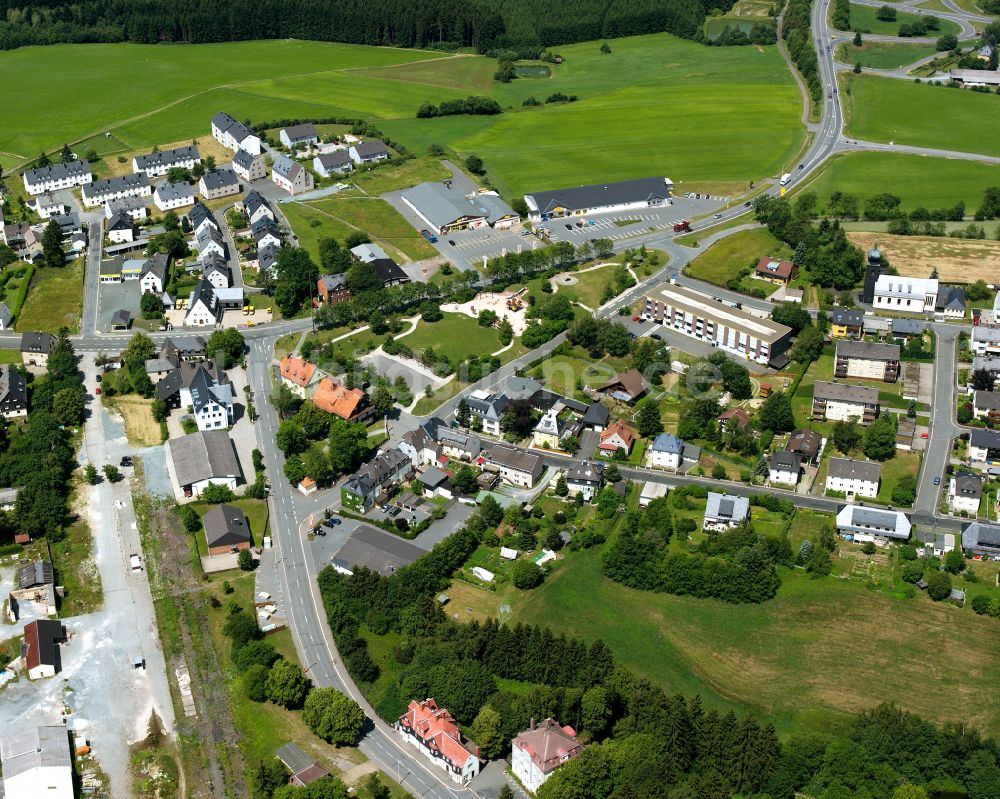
[
  {"x": 863, "y": 19},
  {"x": 883, "y": 55},
  {"x": 918, "y": 180},
  {"x": 654, "y": 105},
  {"x": 885, "y": 109}
]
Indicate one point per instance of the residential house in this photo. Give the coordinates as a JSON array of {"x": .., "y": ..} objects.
[
  {"x": 627, "y": 387},
  {"x": 984, "y": 447},
  {"x": 290, "y": 175},
  {"x": 205, "y": 388},
  {"x": 122, "y": 228},
  {"x": 986, "y": 405},
  {"x": 964, "y": 492},
  {"x": 158, "y": 368},
  {"x": 585, "y": 478},
  {"x": 652, "y": 491},
  {"x": 370, "y": 484},
  {"x": 304, "y": 770},
  {"x": 248, "y": 166},
  {"x": 55, "y": 177},
  {"x": 6, "y": 317},
  {"x": 351, "y": 404},
  {"x": 169, "y": 196},
  {"x": 35, "y": 348},
  {"x": 866, "y": 360},
  {"x": 434, "y": 733},
  {"x": 537, "y": 752},
  {"x": 267, "y": 259},
  {"x": 906, "y": 328},
  {"x": 732, "y": 330},
  {"x": 336, "y": 163},
  {"x": 950, "y": 302},
  {"x": 217, "y": 272},
  {"x": 775, "y": 270},
  {"x": 873, "y": 524},
  {"x": 516, "y": 466},
  {"x": 257, "y": 208},
  {"x": 436, "y": 483},
  {"x": 36, "y": 762},
  {"x": 219, "y": 183},
  {"x": 296, "y": 135},
  {"x": 135, "y": 207},
  {"x": 599, "y": 198},
  {"x": 235, "y": 135},
  {"x": 201, "y": 218},
  {"x": 989, "y": 364},
  {"x": 368, "y": 253},
  {"x": 458, "y": 445},
  {"x": 203, "y": 307},
  {"x": 333, "y": 289},
  {"x": 596, "y": 417},
  {"x": 905, "y": 294},
  {"x": 40, "y": 649},
  {"x": 785, "y": 468},
  {"x": 162, "y": 161},
  {"x": 549, "y": 431},
  {"x": 853, "y": 478},
  {"x": 666, "y": 452},
  {"x": 724, "y": 511},
  {"x": 202, "y": 459},
  {"x": 616, "y": 436},
  {"x": 191, "y": 348},
  {"x": 981, "y": 538},
  {"x": 299, "y": 375},
  {"x": 226, "y": 530},
  {"x": 153, "y": 278},
  {"x": 734, "y": 419},
  {"x": 420, "y": 445},
  {"x": 49, "y": 205},
  {"x": 368, "y": 152},
  {"x": 389, "y": 272},
  {"x": 208, "y": 240},
  {"x": 266, "y": 233},
  {"x": 489, "y": 408},
  {"x": 806, "y": 443},
  {"x": 985, "y": 340},
  {"x": 842, "y": 402},
  {"x": 99, "y": 192},
  {"x": 121, "y": 319}
]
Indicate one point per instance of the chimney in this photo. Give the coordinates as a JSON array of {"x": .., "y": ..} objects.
[{"x": 531, "y": 726}]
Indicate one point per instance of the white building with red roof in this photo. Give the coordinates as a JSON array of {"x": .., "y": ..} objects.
[
  {"x": 433, "y": 731},
  {"x": 542, "y": 748}
]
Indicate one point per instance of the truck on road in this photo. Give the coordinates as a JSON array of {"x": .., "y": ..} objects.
[
  {"x": 682, "y": 226},
  {"x": 786, "y": 178},
  {"x": 429, "y": 236}
]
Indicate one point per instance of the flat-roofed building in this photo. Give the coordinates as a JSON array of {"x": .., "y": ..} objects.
[
  {"x": 840, "y": 402},
  {"x": 731, "y": 329},
  {"x": 867, "y": 360}
]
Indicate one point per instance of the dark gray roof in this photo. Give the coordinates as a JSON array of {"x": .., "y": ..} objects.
[
  {"x": 786, "y": 461},
  {"x": 805, "y": 442},
  {"x": 844, "y": 392},
  {"x": 869, "y": 350},
  {"x": 199, "y": 213},
  {"x": 307, "y": 130},
  {"x": 121, "y": 221},
  {"x": 334, "y": 282},
  {"x": 514, "y": 458},
  {"x": 600, "y": 194},
  {"x": 979, "y": 437},
  {"x": 370, "y": 149},
  {"x": 236, "y": 129},
  {"x": 157, "y": 265},
  {"x": 987, "y": 400},
  {"x": 293, "y": 757},
  {"x": 204, "y": 455},
  {"x": 219, "y": 178},
  {"x": 173, "y": 191},
  {"x": 377, "y": 550},
  {"x": 225, "y": 525},
  {"x": 267, "y": 256},
  {"x": 443, "y": 205},
  {"x": 851, "y": 317},
  {"x": 38, "y": 572},
  {"x": 335, "y": 160},
  {"x": 950, "y": 297},
  {"x": 121, "y": 317},
  {"x": 56, "y": 172},
  {"x": 252, "y": 201},
  {"x": 13, "y": 387},
  {"x": 37, "y": 342},
  {"x": 167, "y": 158},
  {"x": 388, "y": 271},
  {"x": 243, "y": 159},
  {"x": 586, "y": 472},
  {"x": 112, "y": 185},
  {"x": 906, "y": 327},
  {"x": 849, "y": 469},
  {"x": 981, "y": 534},
  {"x": 969, "y": 485}
]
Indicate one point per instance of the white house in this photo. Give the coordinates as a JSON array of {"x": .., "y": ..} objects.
[
  {"x": 121, "y": 228},
  {"x": 985, "y": 340},
  {"x": 208, "y": 241},
  {"x": 873, "y": 524},
  {"x": 256, "y": 207},
  {"x": 666, "y": 452},
  {"x": 296, "y": 135},
  {"x": 99, "y": 192},
  {"x": 538, "y": 751},
  {"x": 57, "y": 176},
  {"x": 515, "y": 466},
  {"x": 203, "y": 309},
  {"x": 216, "y": 272},
  {"x": 234, "y": 135},
  {"x": 907, "y": 294},
  {"x": 853, "y": 478},
  {"x": 368, "y": 152},
  {"x": 48, "y": 205},
  {"x": 207, "y": 391},
  {"x": 169, "y": 196},
  {"x": 202, "y": 459},
  {"x": 153, "y": 277},
  {"x": 201, "y": 218},
  {"x": 290, "y": 175},
  {"x": 159, "y": 163},
  {"x": 984, "y": 447},
  {"x": 266, "y": 233},
  {"x": 248, "y": 166},
  {"x": 585, "y": 478},
  {"x": 964, "y": 493},
  {"x": 785, "y": 468},
  {"x": 723, "y": 511},
  {"x": 336, "y": 163},
  {"x": 434, "y": 733},
  {"x": 135, "y": 207},
  {"x": 36, "y": 763},
  {"x": 841, "y": 402}
]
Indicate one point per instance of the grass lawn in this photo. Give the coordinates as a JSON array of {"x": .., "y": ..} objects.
[
  {"x": 140, "y": 427},
  {"x": 13, "y": 356},
  {"x": 458, "y": 336},
  {"x": 883, "y": 55},
  {"x": 724, "y": 259},
  {"x": 883, "y": 109},
  {"x": 893, "y": 469},
  {"x": 590, "y": 286},
  {"x": 381, "y": 221},
  {"x": 401, "y": 176},
  {"x": 863, "y": 19},
  {"x": 55, "y": 299},
  {"x": 917, "y": 180},
  {"x": 256, "y": 514},
  {"x": 78, "y": 574},
  {"x": 804, "y": 660}
]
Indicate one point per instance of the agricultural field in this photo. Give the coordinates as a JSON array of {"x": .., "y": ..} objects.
[
  {"x": 723, "y": 260},
  {"x": 863, "y": 19},
  {"x": 884, "y": 109},
  {"x": 883, "y": 55},
  {"x": 916, "y": 180},
  {"x": 55, "y": 299},
  {"x": 742, "y": 16},
  {"x": 956, "y": 260},
  {"x": 804, "y": 660}
]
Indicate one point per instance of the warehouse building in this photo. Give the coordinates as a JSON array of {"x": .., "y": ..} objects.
[{"x": 599, "y": 198}]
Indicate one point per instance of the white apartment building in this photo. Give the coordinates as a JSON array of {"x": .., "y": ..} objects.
[
  {"x": 853, "y": 478},
  {"x": 907, "y": 294}
]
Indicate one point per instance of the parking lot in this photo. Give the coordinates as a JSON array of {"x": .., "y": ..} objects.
[
  {"x": 114, "y": 296},
  {"x": 472, "y": 246}
]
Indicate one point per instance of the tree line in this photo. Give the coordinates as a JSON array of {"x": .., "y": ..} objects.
[
  {"x": 444, "y": 24},
  {"x": 798, "y": 40},
  {"x": 643, "y": 743}
]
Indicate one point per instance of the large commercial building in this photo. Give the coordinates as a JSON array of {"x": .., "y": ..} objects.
[
  {"x": 36, "y": 763},
  {"x": 730, "y": 329},
  {"x": 599, "y": 198},
  {"x": 445, "y": 209},
  {"x": 866, "y": 360}
]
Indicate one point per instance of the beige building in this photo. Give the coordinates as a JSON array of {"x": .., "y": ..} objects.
[
  {"x": 839, "y": 402},
  {"x": 866, "y": 360}
]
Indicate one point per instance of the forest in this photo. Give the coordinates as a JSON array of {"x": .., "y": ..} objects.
[
  {"x": 641, "y": 740},
  {"x": 486, "y": 25}
]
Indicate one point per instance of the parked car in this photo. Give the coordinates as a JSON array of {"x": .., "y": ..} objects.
[
  {"x": 97, "y": 390},
  {"x": 636, "y": 318},
  {"x": 333, "y": 520},
  {"x": 656, "y": 336},
  {"x": 100, "y": 377},
  {"x": 136, "y": 562},
  {"x": 126, "y": 461}
]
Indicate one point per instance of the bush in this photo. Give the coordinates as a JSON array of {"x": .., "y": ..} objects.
[
  {"x": 189, "y": 518},
  {"x": 981, "y": 604},
  {"x": 939, "y": 586},
  {"x": 335, "y": 718},
  {"x": 255, "y": 682},
  {"x": 286, "y": 685},
  {"x": 245, "y": 560},
  {"x": 525, "y": 574}
]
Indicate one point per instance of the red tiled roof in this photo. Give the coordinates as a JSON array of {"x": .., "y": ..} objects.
[
  {"x": 549, "y": 745},
  {"x": 337, "y": 399},
  {"x": 617, "y": 427},
  {"x": 297, "y": 370},
  {"x": 437, "y": 729},
  {"x": 774, "y": 267}
]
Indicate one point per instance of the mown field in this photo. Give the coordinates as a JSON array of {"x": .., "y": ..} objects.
[
  {"x": 956, "y": 260},
  {"x": 883, "y": 55},
  {"x": 863, "y": 19},
  {"x": 655, "y": 105},
  {"x": 723, "y": 260},
  {"x": 917, "y": 180},
  {"x": 885, "y": 109},
  {"x": 818, "y": 652}
]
